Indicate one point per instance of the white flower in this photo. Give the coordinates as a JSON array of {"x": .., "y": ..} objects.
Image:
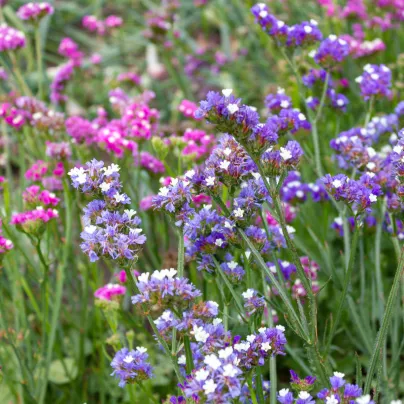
[
  {"x": 262, "y": 329},
  {"x": 166, "y": 316},
  {"x": 229, "y": 370},
  {"x": 232, "y": 265},
  {"x": 372, "y": 198},
  {"x": 227, "y": 92},
  {"x": 105, "y": 186},
  {"x": 263, "y": 13},
  {"x": 284, "y": 104},
  {"x": 227, "y": 151},
  {"x": 141, "y": 349},
  {"x": 128, "y": 359},
  {"x": 144, "y": 277},
  {"x": 280, "y": 327},
  {"x": 251, "y": 338},
  {"x": 242, "y": 346},
  {"x": 285, "y": 154},
  {"x": 301, "y": 117},
  {"x": 219, "y": 242},
  {"x": 79, "y": 173},
  {"x": 190, "y": 173},
  {"x": 200, "y": 334},
  {"x": 396, "y": 402},
  {"x": 307, "y": 29},
  {"x": 238, "y": 212},
  {"x": 266, "y": 346},
  {"x": 164, "y": 191},
  {"x": 248, "y": 294},
  {"x": 90, "y": 229},
  {"x": 338, "y": 221},
  {"x": 304, "y": 395},
  {"x": 217, "y": 321},
  {"x": 226, "y": 352},
  {"x": 113, "y": 168},
  {"x": 283, "y": 392},
  {"x": 336, "y": 183},
  {"x": 232, "y": 108},
  {"x": 210, "y": 181},
  {"x": 213, "y": 361},
  {"x": 182, "y": 360},
  {"x": 119, "y": 197},
  {"x": 339, "y": 374},
  {"x": 201, "y": 375},
  {"x": 224, "y": 165},
  {"x": 332, "y": 37},
  {"x": 331, "y": 400},
  {"x": 209, "y": 386},
  {"x": 364, "y": 399},
  {"x": 130, "y": 213}
]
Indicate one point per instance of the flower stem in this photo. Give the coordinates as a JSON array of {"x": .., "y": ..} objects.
[
  {"x": 347, "y": 281},
  {"x": 181, "y": 253},
  {"x": 382, "y": 334},
  {"x": 41, "y": 72}
]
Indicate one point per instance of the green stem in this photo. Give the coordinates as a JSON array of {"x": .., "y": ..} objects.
[
  {"x": 181, "y": 253},
  {"x": 252, "y": 392},
  {"x": 347, "y": 281},
  {"x": 41, "y": 72},
  {"x": 261, "y": 263},
  {"x": 17, "y": 72},
  {"x": 323, "y": 97},
  {"x": 272, "y": 364},
  {"x": 382, "y": 334},
  {"x": 188, "y": 355},
  {"x": 370, "y": 110}
]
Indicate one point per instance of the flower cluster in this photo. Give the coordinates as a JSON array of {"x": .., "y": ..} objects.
[
  {"x": 101, "y": 27},
  {"x": 131, "y": 366},
  {"x": 34, "y": 12},
  {"x": 33, "y": 222},
  {"x": 332, "y": 50},
  {"x": 110, "y": 230},
  {"x": 109, "y": 291},
  {"x": 375, "y": 81},
  {"x": 162, "y": 289},
  {"x": 10, "y": 38}
]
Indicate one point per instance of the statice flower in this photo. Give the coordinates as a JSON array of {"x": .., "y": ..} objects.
[
  {"x": 110, "y": 229},
  {"x": 242, "y": 121},
  {"x": 207, "y": 232},
  {"x": 259, "y": 346},
  {"x": 34, "y": 12},
  {"x": 253, "y": 303},
  {"x": 33, "y": 222},
  {"x": 332, "y": 51},
  {"x": 304, "y": 34},
  {"x": 290, "y": 120},
  {"x": 340, "y": 391},
  {"x": 187, "y": 108},
  {"x": 70, "y": 50},
  {"x": 109, "y": 291},
  {"x": 375, "y": 81},
  {"x": 131, "y": 366},
  {"x": 34, "y": 196},
  {"x": 218, "y": 380},
  {"x": 59, "y": 150},
  {"x": 174, "y": 199},
  {"x": 5, "y": 244},
  {"x": 10, "y": 38},
  {"x": 162, "y": 290},
  {"x": 150, "y": 163},
  {"x": 60, "y": 81},
  {"x": 285, "y": 159},
  {"x": 232, "y": 269},
  {"x": 278, "y": 101},
  {"x": 299, "y": 384},
  {"x": 287, "y": 397}
]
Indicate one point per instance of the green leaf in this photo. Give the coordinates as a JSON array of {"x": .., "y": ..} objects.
[{"x": 63, "y": 371}]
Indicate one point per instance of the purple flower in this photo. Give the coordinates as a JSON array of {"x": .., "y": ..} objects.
[
  {"x": 278, "y": 101},
  {"x": 131, "y": 366},
  {"x": 163, "y": 290},
  {"x": 332, "y": 51},
  {"x": 375, "y": 81},
  {"x": 304, "y": 34},
  {"x": 253, "y": 303}
]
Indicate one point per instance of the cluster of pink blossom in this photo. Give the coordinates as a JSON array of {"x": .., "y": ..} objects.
[
  {"x": 32, "y": 222},
  {"x": 39, "y": 172},
  {"x": 101, "y": 27},
  {"x": 109, "y": 291},
  {"x": 34, "y": 12},
  {"x": 187, "y": 108},
  {"x": 33, "y": 195},
  {"x": 11, "y": 38}
]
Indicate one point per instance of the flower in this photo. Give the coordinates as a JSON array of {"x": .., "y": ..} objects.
[
  {"x": 375, "y": 81},
  {"x": 10, "y": 38},
  {"x": 34, "y": 12},
  {"x": 110, "y": 290},
  {"x": 332, "y": 50},
  {"x": 131, "y": 366}
]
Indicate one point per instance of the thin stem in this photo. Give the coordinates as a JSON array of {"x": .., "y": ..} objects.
[
  {"x": 382, "y": 334},
  {"x": 272, "y": 364},
  {"x": 370, "y": 110},
  {"x": 20, "y": 79},
  {"x": 323, "y": 96},
  {"x": 347, "y": 281},
  {"x": 181, "y": 253},
  {"x": 39, "y": 60}
]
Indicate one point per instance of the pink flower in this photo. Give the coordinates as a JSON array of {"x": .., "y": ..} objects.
[
  {"x": 110, "y": 290},
  {"x": 187, "y": 108},
  {"x": 34, "y": 11}
]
